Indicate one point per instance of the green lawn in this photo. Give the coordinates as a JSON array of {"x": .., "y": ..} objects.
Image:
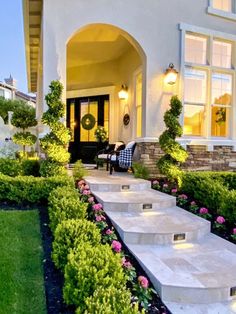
[{"x": 21, "y": 272}]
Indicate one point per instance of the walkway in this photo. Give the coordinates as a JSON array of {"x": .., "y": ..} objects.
[{"x": 193, "y": 270}]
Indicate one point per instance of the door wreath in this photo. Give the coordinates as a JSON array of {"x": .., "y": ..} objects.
[{"x": 88, "y": 121}]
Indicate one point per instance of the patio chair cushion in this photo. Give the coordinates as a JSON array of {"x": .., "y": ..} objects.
[{"x": 130, "y": 144}]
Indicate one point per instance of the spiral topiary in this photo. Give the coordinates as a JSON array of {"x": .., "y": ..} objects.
[
  {"x": 54, "y": 143},
  {"x": 175, "y": 154}
]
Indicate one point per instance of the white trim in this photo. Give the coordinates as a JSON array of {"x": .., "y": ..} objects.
[
  {"x": 221, "y": 13},
  {"x": 113, "y": 110},
  {"x": 206, "y": 31},
  {"x": 147, "y": 140}
]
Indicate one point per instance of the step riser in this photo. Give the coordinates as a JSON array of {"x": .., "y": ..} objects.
[
  {"x": 133, "y": 207},
  {"x": 119, "y": 187}
]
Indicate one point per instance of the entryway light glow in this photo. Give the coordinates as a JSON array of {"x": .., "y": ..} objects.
[
  {"x": 171, "y": 75},
  {"x": 123, "y": 93}
]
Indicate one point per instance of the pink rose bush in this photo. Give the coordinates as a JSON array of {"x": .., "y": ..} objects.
[
  {"x": 204, "y": 213},
  {"x": 182, "y": 199},
  {"x": 143, "y": 282},
  {"x": 220, "y": 223},
  {"x": 193, "y": 207},
  {"x": 233, "y": 235}
]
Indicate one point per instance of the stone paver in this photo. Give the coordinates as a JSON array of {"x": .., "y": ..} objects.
[{"x": 192, "y": 269}]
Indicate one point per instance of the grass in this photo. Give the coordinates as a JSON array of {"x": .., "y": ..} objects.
[{"x": 21, "y": 272}]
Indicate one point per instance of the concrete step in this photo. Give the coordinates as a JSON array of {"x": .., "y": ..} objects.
[
  {"x": 200, "y": 272},
  {"x": 135, "y": 201},
  {"x": 212, "y": 308},
  {"x": 112, "y": 183},
  {"x": 163, "y": 226}
]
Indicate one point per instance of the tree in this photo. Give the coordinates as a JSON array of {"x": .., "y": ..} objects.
[
  {"x": 54, "y": 144},
  {"x": 24, "y": 118},
  {"x": 7, "y": 105},
  {"x": 175, "y": 154}
]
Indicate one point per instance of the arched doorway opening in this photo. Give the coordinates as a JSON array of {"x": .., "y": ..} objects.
[{"x": 101, "y": 58}]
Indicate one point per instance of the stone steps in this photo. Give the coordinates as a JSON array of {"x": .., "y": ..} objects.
[
  {"x": 193, "y": 270},
  {"x": 163, "y": 226}
]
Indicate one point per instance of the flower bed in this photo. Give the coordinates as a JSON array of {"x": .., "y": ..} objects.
[{"x": 208, "y": 195}]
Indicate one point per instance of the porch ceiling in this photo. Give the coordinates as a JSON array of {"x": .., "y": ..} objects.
[{"x": 32, "y": 12}]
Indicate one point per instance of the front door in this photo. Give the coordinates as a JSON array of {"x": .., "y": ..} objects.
[{"x": 83, "y": 116}]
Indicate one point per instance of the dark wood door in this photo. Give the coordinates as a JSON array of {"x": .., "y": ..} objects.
[{"x": 83, "y": 116}]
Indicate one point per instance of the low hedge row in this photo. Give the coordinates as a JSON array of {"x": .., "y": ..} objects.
[
  {"x": 16, "y": 167},
  {"x": 94, "y": 277},
  {"x": 216, "y": 190},
  {"x": 30, "y": 190}
]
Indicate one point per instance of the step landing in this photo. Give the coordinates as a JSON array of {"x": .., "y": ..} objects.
[
  {"x": 164, "y": 226},
  {"x": 199, "y": 272}
]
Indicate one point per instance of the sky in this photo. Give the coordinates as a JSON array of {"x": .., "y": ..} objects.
[{"x": 12, "y": 53}]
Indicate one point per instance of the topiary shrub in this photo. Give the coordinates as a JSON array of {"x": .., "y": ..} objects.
[
  {"x": 79, "y": 171},
  {"x": 69, "y": 235},
  {"x": 87, "y": 270},
  {"x": 55, "y": 143},
  {"x": 10, "y": 167},
  {"x": 109, "y": 301},
  {"x": 175, "y": 154},
  {"x": 48, "y": 168},
  {"x": 24, "y": 118},
  {"x": 67, "y": 207}
]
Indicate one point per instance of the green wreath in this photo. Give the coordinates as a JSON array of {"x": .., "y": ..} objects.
[{"x": 88, "y": 121}]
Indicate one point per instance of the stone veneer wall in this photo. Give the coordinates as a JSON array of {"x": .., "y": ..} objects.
[{"x": 222, "y": 158}]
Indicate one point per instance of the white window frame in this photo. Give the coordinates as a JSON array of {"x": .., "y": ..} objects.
[
  {"x": 223, "y": 14},
  {"x": 211, "y": 34}
]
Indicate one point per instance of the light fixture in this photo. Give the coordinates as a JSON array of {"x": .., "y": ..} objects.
[
  {"x": 123, "y": 93},
  {"x": 171, "y": 75}
]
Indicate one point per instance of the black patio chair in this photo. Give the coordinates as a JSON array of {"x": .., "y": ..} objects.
[{"x": 104, "y": 154}]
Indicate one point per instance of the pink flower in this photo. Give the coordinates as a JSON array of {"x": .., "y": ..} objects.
[
  {"x": 220, "y": 220},
  {"x": 91, "y": 199},
  {"x": 193, "y": 203},
  {"x": 174, "y": 191},
  {"x": 100, "y": 218},
  {"x": 143, "y": 282},
  {"x": 86, "y": 187},
  {"x": 97, "y": 207},
  {"x": 86, "y": 192},
  {"x": 234, "y": 231},
  {"x": 203, "y": 211},
  {"x": 126, "y": 263},
  {"x": 109, "y": 231},
  {"x": 165, "y": 185},
  {"x": 183, "y": 196},
  {"x": 116, "y": 245},
  {"x": 155, "y": 182}
]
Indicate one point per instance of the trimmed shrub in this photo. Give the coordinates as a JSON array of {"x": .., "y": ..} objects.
[
  {"x": 109, "y": 301},
  {"x": 140, "y": 171},
  {"x": 30, "y": 167},
  {"x": 79, "y": 171},
  {"x": 51, "y": 169},
  {"x": 211, "y": 189},
  {"x": 10, "y": 167},
  {"x": 175, "y": 154},
  {"x": 69, "y": 235},
  {"x": 91, "y": 268},
  {"x": 23, "y": 190},
  {"x": 67, "y": 207}
]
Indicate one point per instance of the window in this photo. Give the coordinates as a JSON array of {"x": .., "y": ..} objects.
[
  {"x": 1, "y": 93},
  {"x": 195, "y": 49},
  {"x": 7, "y": 94},
  {"x": 208, "y": 86},
  {"x": 224, "y": 5}
]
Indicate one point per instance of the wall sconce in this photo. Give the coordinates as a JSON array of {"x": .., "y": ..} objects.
[
  {"x": 123, "y": 93},
  {"x": 171, "y": 75}
]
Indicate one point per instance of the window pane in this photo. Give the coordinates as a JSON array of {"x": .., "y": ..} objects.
[
  {"x": 193, "y": 120},
  {"x": 7, "y": 94},
  {"x": 195, "y": 86},
  {"x": 72, "y": 121},
  {"x": 138, "y": 100},
  {"x": 221, "y": 54},
  {"x": 219, "y": 121},
  {"x": 221, "y": 89},
  {"x": 225, "y": 5},
  {"x": 1, "y": 93},
  {"x": 195, "y": 49}
]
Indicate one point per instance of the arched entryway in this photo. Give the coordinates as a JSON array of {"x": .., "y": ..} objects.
[{"x": 101, "y": 58}]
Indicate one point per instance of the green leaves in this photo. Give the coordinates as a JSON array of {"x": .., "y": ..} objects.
[
  {"x": 174, "y": 152},
  {"x": 24, "y": 117},
  {"x": 26, "y": 138}
]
